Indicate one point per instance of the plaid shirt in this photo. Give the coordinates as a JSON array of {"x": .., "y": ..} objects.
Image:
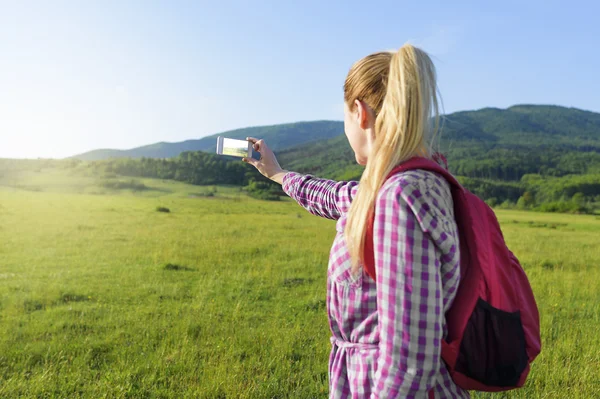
[{"x": 386, "y": 336}]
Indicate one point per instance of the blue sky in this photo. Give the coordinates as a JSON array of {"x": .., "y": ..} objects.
[{"x": 83, "y": 75}]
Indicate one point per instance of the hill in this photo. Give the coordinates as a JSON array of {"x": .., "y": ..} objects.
[
  {"x": 517, "y": 127},
  {"x": 526, "y": 156},
  {"x": 491, "y": 143},
  {"x": 279, "y": 137},
  {"x": 526, "y": 124}
]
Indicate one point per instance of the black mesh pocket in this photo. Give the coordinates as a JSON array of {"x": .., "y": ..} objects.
[{"x": 493, "y": 347}]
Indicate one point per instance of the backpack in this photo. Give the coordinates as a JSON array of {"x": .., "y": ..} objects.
[{"x": 493, "y": 323}]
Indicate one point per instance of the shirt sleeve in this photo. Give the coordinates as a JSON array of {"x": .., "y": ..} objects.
[
  {"x": 409, "y": 295},
  {"x": 321, "y": 197}
]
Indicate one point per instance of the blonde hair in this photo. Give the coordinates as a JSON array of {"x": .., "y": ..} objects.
[{"x": 400, "y": 87}]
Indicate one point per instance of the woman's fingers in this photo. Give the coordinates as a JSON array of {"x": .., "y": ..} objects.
[
  {"x": 254, "y": 142},
  {"x": 257, "y": 144},
  {"x": 267, "y": 165},
  {"x": 251, "y": 161}
]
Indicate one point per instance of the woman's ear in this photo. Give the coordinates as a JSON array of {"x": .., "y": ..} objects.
[{"x": 362, "y": 114}]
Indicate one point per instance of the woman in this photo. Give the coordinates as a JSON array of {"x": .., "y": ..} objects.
[{"x": 386, "y": 334}]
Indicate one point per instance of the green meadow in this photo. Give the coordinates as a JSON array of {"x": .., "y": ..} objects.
[{"x": 223, "y": 296}]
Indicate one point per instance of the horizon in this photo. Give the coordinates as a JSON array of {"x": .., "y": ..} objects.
[
  {"x": 82, "y": 77},
  {"x": 278, "y": 124}
]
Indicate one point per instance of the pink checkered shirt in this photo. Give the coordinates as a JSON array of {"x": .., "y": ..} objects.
[{"x": 386, "y": 336}]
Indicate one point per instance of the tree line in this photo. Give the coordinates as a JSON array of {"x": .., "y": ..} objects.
[{"x": 543, "y": 179}]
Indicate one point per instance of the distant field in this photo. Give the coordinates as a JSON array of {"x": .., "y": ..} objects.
[{"x": 101, "y": 296}]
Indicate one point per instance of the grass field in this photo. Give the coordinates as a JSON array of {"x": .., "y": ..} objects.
[{"x": 101, "y": 296}]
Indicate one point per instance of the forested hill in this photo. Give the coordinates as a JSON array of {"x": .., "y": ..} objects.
[
  {"x": 278, "y": 136},
  {"x": 527, "y": 125},
  {"x": 529, "y": 156},
  {"x": 518, "y": 126},
  {"x": 502, "y": 144}
]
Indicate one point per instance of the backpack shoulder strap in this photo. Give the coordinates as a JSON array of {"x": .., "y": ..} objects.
[
  {"x": 411, "y": 164},
  {"x": 425, "y": 164}
]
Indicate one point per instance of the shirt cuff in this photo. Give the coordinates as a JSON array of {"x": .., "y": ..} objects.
[{"x": 287, "y": 183}]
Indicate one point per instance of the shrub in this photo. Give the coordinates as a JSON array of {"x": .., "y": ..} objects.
[
  {"x": 31, "y": 305},
  {"x": 162, "y": 209},
  {"x": 70, "y": 297},
  {"x": 563, "y": 207},
  {"x": 264, "y": 191},
  {"x": 546, "y": 264},
  {"x": 264, "y": 195},
  {"x": 507, "y": 204},
  {"x": 492, "y": 202},
  {"x": 173, "y": 266},
  {"x": 124, "y": 185}
]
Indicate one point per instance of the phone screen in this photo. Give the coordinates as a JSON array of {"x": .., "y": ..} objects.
[{"x": 233, "y": 147}]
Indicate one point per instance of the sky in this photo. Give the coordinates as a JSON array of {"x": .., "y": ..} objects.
[{"x": 83, "y": 75}]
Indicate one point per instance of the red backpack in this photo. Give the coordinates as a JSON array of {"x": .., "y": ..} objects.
[{"x": 493, "y": 323}]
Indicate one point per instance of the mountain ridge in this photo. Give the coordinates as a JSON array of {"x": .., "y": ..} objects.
[
  {"x": 313, "y": 130},
  {"x": 520, "y": 124}
]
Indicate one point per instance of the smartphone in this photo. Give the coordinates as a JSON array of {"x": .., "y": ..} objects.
[{"x": 234, "y": 147}]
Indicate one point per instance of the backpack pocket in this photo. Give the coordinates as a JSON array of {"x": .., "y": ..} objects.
[{"x": 493, "y": 347}]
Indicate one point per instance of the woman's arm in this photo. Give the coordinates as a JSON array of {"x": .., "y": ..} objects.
[
  {"x": 321, "y": 197},
  {"x": 409, "y": 295}
]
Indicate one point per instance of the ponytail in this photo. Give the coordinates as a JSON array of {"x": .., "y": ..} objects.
[{"x": 403, "y": 129}]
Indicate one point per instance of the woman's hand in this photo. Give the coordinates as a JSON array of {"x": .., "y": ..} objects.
[{"x": 267, "y": 165}]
